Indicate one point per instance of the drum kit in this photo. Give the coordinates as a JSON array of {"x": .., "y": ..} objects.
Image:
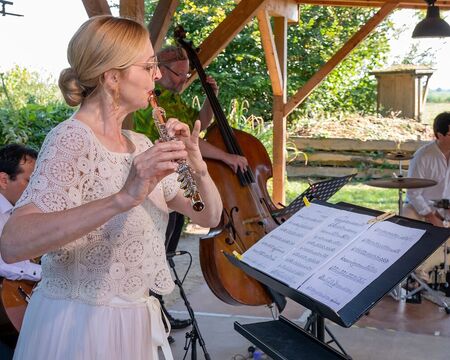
[{"x": 398, "y": 181}]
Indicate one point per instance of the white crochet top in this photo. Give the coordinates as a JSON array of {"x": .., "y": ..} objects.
[{"x": 123, "y": 258}]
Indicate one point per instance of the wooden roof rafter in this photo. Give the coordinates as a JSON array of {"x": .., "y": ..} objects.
[
  {"x": 160, "y": 22},
  {"x": 96, "y": 7},
  {"x": 270, "y": 51},
  {"x": 406, "y": 4}
]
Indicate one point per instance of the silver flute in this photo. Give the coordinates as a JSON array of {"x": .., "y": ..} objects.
[{"x": 185, "y": 178}]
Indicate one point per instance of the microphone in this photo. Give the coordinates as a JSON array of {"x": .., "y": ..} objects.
[{"x": 176, "y": 253}]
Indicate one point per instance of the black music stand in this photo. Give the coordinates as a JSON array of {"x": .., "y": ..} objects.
[
  {"x": 322, "y": 190},
  {"x": 283, "y": 340}
]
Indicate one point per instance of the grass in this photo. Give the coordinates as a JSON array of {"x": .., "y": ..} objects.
[
  {"x": 356, "y": 193},
  {"x": 433, "y": 109}
]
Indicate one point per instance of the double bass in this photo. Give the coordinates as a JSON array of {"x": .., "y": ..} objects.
[{"x": 247, "y": 204}]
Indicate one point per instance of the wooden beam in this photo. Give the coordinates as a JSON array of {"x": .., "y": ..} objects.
[
  {"x": 270, "y": 52},
  {"x": 407, "y": 4},
  {"x": 160, "y": 22},
  {"x": 354, "y": 41},
  {"x": 225, "y": 32},
  {"x": 133, "y": 9},
  {"x": 340, "y": 144},
  {"x": 279, "y": 119},
  {"x": 96, "y": 7},
  {"x": 283, "y": 8}
]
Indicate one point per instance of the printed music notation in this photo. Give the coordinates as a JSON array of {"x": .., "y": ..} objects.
[{"x": 330, "y": 254}]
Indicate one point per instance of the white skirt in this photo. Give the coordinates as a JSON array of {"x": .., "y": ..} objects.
[{"x": 66, "y": 329}]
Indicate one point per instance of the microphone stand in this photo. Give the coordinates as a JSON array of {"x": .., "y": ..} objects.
[{"x": 194, "y": 335}]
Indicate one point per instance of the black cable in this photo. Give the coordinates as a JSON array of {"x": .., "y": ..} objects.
[{"x": 170, "y": 255}]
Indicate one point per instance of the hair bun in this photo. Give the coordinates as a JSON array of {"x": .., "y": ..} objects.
[{"x": 70, "y": 87}]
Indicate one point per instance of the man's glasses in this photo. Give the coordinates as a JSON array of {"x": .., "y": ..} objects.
[{"x": 177, "y": 74}]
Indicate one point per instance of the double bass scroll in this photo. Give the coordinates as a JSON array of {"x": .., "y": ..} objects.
[{"x": 246, "y": 201}]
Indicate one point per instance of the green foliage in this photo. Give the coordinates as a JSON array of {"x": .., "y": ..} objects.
[
  {"x": 251, "y": 124},
  {"x": 29, "y": 108}
]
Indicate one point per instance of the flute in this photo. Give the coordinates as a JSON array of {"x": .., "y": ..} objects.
[{"x": 185, "y": 178}]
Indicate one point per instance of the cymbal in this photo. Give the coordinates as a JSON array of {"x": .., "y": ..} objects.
[
  {"x": 402, "y": 183},
  {"x": 398, "y": 155}
]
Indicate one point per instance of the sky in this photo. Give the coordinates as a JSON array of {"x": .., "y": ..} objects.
[{"x": 38, "y": 41}]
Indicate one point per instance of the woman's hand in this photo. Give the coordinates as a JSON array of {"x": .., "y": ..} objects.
[
  {"x": 148, "y": 169},
  {"x": 181, "y": 132}
]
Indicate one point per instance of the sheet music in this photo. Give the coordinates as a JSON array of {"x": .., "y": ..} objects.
[
  {"x": 269, "y": 249},
  {"x": 317, "y": 247},
  {"x": 330, "y": 254},
  {"x": 354, "y": 268}
]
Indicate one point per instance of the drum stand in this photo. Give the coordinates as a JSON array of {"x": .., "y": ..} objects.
[
  {"x": 194, "y": 335},
  {"x": 397, "y": 291},
  {"x": 434, "y": 295}
]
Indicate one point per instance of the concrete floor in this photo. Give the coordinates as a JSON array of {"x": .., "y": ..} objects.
[{"x": 222, "y": 342}]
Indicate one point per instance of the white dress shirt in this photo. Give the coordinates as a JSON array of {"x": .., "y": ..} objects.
[
  {"x": 428, "y": 163},
  {"x": 23, "y": 270}
]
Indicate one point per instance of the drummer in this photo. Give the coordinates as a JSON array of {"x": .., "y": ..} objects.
[{"x": 431, "y": 161}]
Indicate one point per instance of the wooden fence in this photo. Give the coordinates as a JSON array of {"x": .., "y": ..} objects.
[{"x": 338, "y": 157}]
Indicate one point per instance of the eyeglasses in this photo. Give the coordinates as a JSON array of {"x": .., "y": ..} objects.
[
  {"x": 150, "y": 66},
  {"x": 183, "y": 75}
]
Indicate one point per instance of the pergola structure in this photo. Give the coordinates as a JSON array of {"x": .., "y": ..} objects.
[{"x": 274, "y": 41}]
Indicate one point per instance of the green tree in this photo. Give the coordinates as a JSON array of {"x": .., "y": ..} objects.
[{"x": 21, "y": 86}]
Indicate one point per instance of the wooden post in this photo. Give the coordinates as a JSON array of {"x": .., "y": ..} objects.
[
  {"x": 279, "y": 118},
  {"x": 96, "y": 7},
  {"x": 161, "y": 19},
  {"x": 133, "y": 9}
]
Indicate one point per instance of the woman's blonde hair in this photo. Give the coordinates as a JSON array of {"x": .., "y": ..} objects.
[{"x": 102, "y": 43}]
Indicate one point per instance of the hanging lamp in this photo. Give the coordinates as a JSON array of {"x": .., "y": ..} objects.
[{"x": 433, "y": 25}]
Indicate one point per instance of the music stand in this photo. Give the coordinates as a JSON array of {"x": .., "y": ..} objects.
[
  {"x": 279, "y": 337},
  {"x": 322, "y": 190}
]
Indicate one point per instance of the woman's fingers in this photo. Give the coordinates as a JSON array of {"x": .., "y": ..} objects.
[
  {"x": 161, "y": 155},
  {"x": 196, "y": 131},
  {"x": 176, "y": 128}
]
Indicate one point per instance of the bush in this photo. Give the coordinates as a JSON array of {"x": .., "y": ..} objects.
[
  {"x": 29, "y": 108},
  {"x": 30, "y": 124}
]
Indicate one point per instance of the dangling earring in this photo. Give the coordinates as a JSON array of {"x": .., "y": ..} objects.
[{"x": 116, "y": 98}]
